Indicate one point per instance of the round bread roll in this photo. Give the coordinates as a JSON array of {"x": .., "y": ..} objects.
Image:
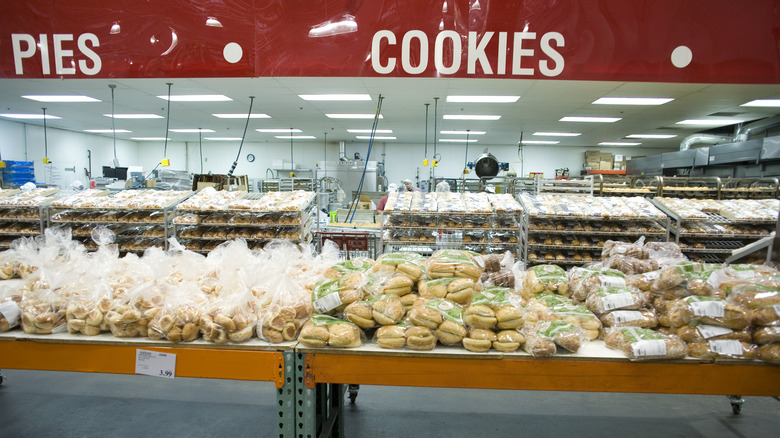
[
  {"x": 508, "y": 341},
  {"x": 361, "y": 314},
  {"x": 422, "y": 316},
  {"x": 391, "y": 336},
  {"x": 420, "y": 338},
  {"x": 398, "y": 285},
  {"x": 480, "y": 316},
  {"x": 314, "y": 336},
  {"x": 450, "y": 333},
  {"x": 409, "y": 270},
  {"x": 477, "y": 345},
  {"x": 408, "y": 301},
  {"x": 388, "y": 311},
  {"x": 468, "y": 271},
  {"x": 509, "y": 317},
  {"x": 344, "y": 336},
  {"x": 432, "y": 289}
]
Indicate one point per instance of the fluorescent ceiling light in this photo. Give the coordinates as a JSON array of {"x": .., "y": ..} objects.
[
  {"x": 191, "y": 130},
  {"x": 618, "y": 143},
  {"x": 368, "y": 131},
  {"x": 106, "y": 131},
  {"x": 651, "y": 136},
  {"x": 540, "y": 142},
  {"x": 349, "y": 97},
  {"x": 590, "y": 119},
  {"x": 763, "y": 102},
  {"x": 63, "y": 98},
  {"x": 632, "y": 101},
  {"x": 222, "y": 138},
  {"x": 278, "y": 130},
  {"x": 709, "y": 122},
  {"x": 352, "y": 116},
  {"x": 134, "y": 116},
  {"x": 458, "y": 140},
  {"x": 378, "y": 137},
  {"x": 296, "y": 137},
  {"x": 470, "y": 117},
  {"x": 242, "y": 116},
  {"x": 558, "y": 134},
  {"x": 483, "y": 99},
  {"x": 462, "y": 132},
  {"x": 149, "y": 138},
  {"x": 29, "y": 116},
  {"x": 197, "y": 98}
]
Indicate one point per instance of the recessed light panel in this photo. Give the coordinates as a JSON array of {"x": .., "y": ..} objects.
[
  {"x": 149, "y": 138},
  {"x": 106, "y": 131},
  {"x": 242, "y": 116},
  {"x": 540, "y": 142},
  {"x": 470, "y": 117},
  {"x": 368, "y": 131},
  {"x": 462, "y": 132},
  {"x": 458, "y": 140},
  {"x": 632, "y": 101},
  {"x": 278, "y": 130},
  {"x": 197, "y": 98},
  {"x": 708, "y": 122},
  {"x": 763, "y": 103},
  {"x": 61, "y": 99},
  {"x": 557, "y": 134},
  {"x": 296, "y": 137},
  {"x": 590, "y": 119},
  {"x": 335, "y": 97},
  {"x": 134, "y": 116},
  {"x": 483, "y": 99},
  {"x": 196, "y": 130},
  {"x": 222, "y": 138},
  {"x": 29, "y": 116},
  {"x": 652, "y": 136},
  {"x": 378, "y": 137},
  {"x": 618, "y": 143},
  {"x": 352, "y": 116}
]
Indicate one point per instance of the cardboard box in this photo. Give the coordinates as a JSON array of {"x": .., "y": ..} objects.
[
  {"x": 605, "y": 156},
  {"x": 363, "y": 205},
  {"x": 150, "y": 183},
  {"x": 233, "y": 188},
  {"x": 605, "y": 165},
  {"x": 592, "y": 155}
]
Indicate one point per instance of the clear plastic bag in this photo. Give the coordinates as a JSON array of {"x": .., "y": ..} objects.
[
  {"x": 10, "y": 312},
  {"x": 643, "y": 318},
  {"x": 604, "y": 299},
  {"x": 232, "y": 317},
  {"x": 448, "y": 263},
  {"x": 86, "y": 313},
  {"x": 564, "y": 334},
  {"x": 645, "y": 344},
  {"x": 403, "y": 264},
  {"x": 325, "y": 330},
  {"x": 456, "y": 289},
  {"x": 331, "y": 296},
  {"x": 704, "y": 310},
  {"x": 726, "y": 348},
  {"x": 545, "y": 278},
  {"x": 179, "y": 317},
  {"x": 583, "y": 281},
  {"x": 444, "y": 318}
]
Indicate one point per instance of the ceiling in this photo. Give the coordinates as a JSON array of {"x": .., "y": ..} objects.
[{"x": 541, "y": 105}]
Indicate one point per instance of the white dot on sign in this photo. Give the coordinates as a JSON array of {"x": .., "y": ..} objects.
[
  {"x": 232, "y": 52},
  {"x": 681, "y": 56}
]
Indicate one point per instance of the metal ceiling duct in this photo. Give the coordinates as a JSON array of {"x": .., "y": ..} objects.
[
  {"x": 703, "y": 139},
  {"x": 342, "y": 150},
  {"x": 746, "y": 131}
]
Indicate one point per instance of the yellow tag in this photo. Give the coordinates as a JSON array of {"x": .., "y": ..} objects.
[
  {"x": 465, "y": 171},
  {"x": 2, "y": 164},
  {"x": 435, "y": 163},
  {"x": 425, "y": 162},
  {"x": 292, "y": 174},
  {"x": 165, "y": 162},
  {"x": 46, "y": 161}
]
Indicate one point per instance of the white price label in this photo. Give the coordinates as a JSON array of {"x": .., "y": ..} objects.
[
  {"x": 327, "y": 303},
  {"x": 710, "y": 331},
  {"x": 726, "y": 347},
  {"x": 712, "y": 309},
  {"x": 653, "y": 347},
  {"x": 11, "y": 312},
  {"x": 153, "y": 363},
  {"x": 777, "y": 309},
  {"x": 623, "y": 316},
  {"x": 609, "y": 281},
  {"x": 617, "y": 301}
]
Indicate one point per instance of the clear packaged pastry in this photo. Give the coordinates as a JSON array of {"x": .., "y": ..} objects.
[
  {"x": 707, "y": 332},
  {"x": 604, "y": 299},
  {"x": 479, "y": 340},
  {"x": 645, "y": 344},
  {"x": 545, "y": 278},
  {"x": 456, "y": 289},
  {"x": 564, "y": 334},
  {"x": 583, "y": 281},
  {"x": 404, "y": 264},
  {"x": 769, "y": 353},
  {"x": 448, "y": 263}
]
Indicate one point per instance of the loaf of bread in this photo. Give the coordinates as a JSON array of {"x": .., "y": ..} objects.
[
  {"x": 330, "y": 296},
  {"x": 766, "y": 335},
  {"x": 604, "y": 299},
  {"x": 755, "y": 295},
  {"x": 348, "y": 267},
  {"x": 563, "y": 334},
  {"x": 645, "y": 344},
  {"x": 583, "y": 281},
  {"x": 645, "y": 318},
  {"x": 545, "y": 278},
  {"x": 705, "y": 310},
  {"x": 769, "y": 353},
  {"x": 706, "y": 332},
  {"x": 714, "y": 349}
]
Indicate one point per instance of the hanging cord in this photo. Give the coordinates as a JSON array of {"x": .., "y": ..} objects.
[
  {"x": 200, "y": 146},
  {"x": 240, "y": 146},
  {"x": 351, "y": 212},
  {"x": 426, "y": 130},
  {"x": 325, "y": 151},
  {"x": 45, "y": 138},
  {"x": 167, "y": 121},
  {"x": 292, "y": 161},
  {"x": 113, "y": 122},
  {"x": 465, "y": 162}
]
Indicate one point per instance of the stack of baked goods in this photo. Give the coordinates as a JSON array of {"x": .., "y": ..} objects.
[
  {"x": 760, "y": 295},
  {"x": 10, "y": 313},
  {"x": 545, "y": 278},
  {"x": 495, "y": 315},
  {"x": 543, "y": 337},
  {"x": 325, "y": 330}
]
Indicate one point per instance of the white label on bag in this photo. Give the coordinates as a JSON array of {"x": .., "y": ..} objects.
[
  {"x": 327, "y": 303},
  {"x": 653, "y": 347},
  {"x": 622, "y": 316},
  {"x": 726, "y": 347},
  {"x": 617, "y": 301},
  {"x": 11, "y": 312},
  {"x": 712, "y": 309},
  {"x": 710, "y": 331},
  {"x": 153, "y": 363},
  {"x": 777, "y": 309},
  {"x": 609, "y": 281}
]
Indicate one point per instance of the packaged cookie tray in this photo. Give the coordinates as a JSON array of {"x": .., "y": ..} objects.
[
  {"x": 249, "y": 220},
  {"x": 108, "y": 217},
  {"x": 26, "y": 230},
  {"x": 604, "y": 216},
  {"x": 20, "y": 214}
]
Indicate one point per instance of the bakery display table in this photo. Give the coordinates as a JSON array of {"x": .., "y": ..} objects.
[{"x": 322, "y": 372}]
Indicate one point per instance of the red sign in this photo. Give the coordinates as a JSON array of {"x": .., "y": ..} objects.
[{"x": 715, "y": 41}]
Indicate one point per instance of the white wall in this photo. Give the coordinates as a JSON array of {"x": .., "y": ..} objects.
[{"x": 66, "y": 149}]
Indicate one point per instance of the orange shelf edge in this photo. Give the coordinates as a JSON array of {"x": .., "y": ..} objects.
[
  {"x": 545, "y": 375},
  {"x": 209, "y": 363}
]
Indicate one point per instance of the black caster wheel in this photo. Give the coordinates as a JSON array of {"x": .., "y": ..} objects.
[
  {"x": 736, "y": 403},
  {"x": 353, "y": 393},
  {"x": 2, "y": 379},
  {"x": 736, "y": 408}
]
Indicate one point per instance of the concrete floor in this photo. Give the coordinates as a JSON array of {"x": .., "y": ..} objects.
[{"x": 48, "y": 404}]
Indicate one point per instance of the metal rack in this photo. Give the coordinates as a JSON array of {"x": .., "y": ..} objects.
[
  {"x": 749, "y": 188},
  {"x": 582, "y": 186},
  {"x": 625, "y": 186},
  {"x": 23, "y": 217}
]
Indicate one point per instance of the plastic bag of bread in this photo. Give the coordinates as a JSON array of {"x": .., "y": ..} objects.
[
  {"x": 479, "y": 340},
  {"x": 537, "y": 345},
  {"x": 508, "y": 341},
  {"x": 643, "y": 281},
  {"x": 10, "y": 312},
  {"x": 381, "y": 283},
  {"x": 582, "y": 281},
  {"x": 441, "y": 316},
  {"x": 501, "y": 278},
  {"x": 349, "y": 267},
  {"x": 644, "y": 318},
  {"x": 766, "y": 335},
  {"x": 401, "y": 263},
  {"x": 695, "y": 277},
  {"x": 723, "y": 348},
  {"x": 232, "y": 317},
  {"x": 495, "y": 307},
  {"x": 322, "y": 330},
  {"x": 374, "y": 311},
  {"x": 645, "y": 344},
  {"x": 755, "y": 295},
  {"x": 604, "y": 299},
  {"x": 8, "y": 264},
  {"x": 455, "y": 289},
  {"x": 566, "y": 335},
  {"x": 420, "y": 338},
  {"x": 130, "y": 316},
  {"x": 769, "y": 353},
  {"x": 634, "y": 250},
  {"x": 284, "y": 308},
  {"x": 545, "y": 278},
  {"x": 43, "y": 312},
  {"x": 705, "y": 310},
  {"x": 765, "y": 316},
  {"x": 86, "y": 313},
  {"x": 631, "y": 265},
  {"x": 707, "y": 332},
  {"x": 330, "y": 296},
  {"x": 179, "y": 318},
  {"x": 391, "y": 336},
  {"x": 446, "y": 263},
  {"x": 498, "y": 270}
]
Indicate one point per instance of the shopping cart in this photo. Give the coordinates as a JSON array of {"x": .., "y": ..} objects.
[{"x": 351, "y": 244}]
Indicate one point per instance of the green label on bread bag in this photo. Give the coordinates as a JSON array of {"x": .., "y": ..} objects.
[
  {"x": 396, "y": 258},
  {"x": 326, "y": 320},
  {"x": 492, "y": 296},
  {"x": 325, "y": 287},
  {"x": 696, "y": 271},
  {"x": 349, "y": 266},
  {"x": 567, "y": 310},
  {"x": 550, "y": 274},
  {"x": 553, "y": 329},
  {"x": 638, "y": 334},
  {"x": 441, "y": 281},
  {"x": 552, "y": 300},
  {"x": 449, "y": 310}
]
